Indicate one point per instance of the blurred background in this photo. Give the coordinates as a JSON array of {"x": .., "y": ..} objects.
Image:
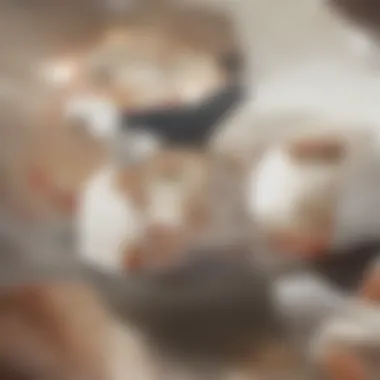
[{"x": 82, "y": 84}]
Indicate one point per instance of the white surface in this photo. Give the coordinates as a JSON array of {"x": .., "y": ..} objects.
[
  {"x": 333, "y": 91},
  {"x": 98, "y": 113},
  {"x": 304, "y": 297},
  {"x": 356, "y": 326},
  {"x": 303, "y": 59},
  {"x": 278, "y": 186},
  {"x": 106, "y": 221},
  {"x": 308, "y": 66}
]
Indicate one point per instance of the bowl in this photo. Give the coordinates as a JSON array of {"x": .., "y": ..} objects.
[{"x": 188, "y": 125}]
